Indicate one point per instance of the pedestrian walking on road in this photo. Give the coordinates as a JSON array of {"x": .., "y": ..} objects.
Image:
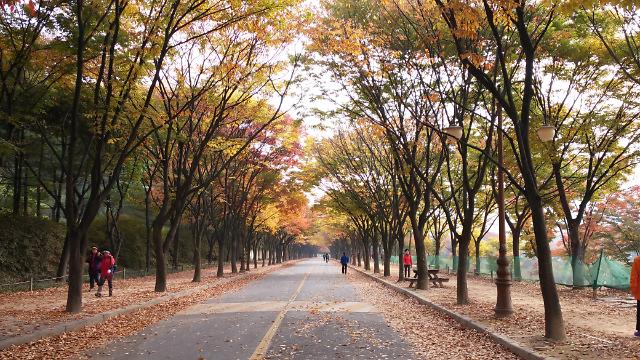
[
  {"x": 94, "y": 267},
  {"x": 107, "y": 268},
  {"x": 344, "y": 260},
  {"x": 407, "y": 262},
  {"x": 635, "y": 290}
]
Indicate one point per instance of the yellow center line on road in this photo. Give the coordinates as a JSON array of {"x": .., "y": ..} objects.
[{"x": 264, "y": 344}]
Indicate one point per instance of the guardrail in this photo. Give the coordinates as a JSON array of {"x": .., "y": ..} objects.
[{"x": 123, "y": 273}]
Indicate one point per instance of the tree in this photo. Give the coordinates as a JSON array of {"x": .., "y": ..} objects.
[
  {"x": 513, "y": 32},
  {"x": 614, "y": 224}
]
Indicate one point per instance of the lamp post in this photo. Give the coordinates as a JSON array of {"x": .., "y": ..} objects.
[{"x": 503, "y": 278}]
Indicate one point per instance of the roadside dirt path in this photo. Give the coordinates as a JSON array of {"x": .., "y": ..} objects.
[{"x": 23, "y": 312}]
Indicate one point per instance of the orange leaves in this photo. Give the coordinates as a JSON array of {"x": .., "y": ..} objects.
[
  {"x": 468, "y": 18},
  {"x": 476, "y": 60}
]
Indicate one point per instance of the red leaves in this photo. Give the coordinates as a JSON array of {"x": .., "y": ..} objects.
[{"x": 30, "y": 6}]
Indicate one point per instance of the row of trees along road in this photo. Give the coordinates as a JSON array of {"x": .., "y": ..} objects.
[
  {"x": 401, "y": 71},
  {"x": 109, "y": 104}
]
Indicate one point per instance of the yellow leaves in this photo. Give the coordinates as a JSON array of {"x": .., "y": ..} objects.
[{"x": 468, "y": 18}]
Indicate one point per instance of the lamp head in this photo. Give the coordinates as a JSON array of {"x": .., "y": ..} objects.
[
  {"x": 546, "y": 133},
  {"x": 454, "y": 132}
]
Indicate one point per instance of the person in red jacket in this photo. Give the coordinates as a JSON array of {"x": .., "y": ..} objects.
[
  {"x": 407, "y": 262},
  {"x": 107, "y": 267},
  {"x": 635, "y": 289}
]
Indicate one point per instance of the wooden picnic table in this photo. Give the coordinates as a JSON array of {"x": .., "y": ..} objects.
[{"x": 433, "y": 277}]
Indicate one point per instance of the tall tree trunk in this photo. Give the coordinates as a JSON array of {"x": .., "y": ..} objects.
[
  {"x": 400, "y": 237},
  {"x": 234, "y": 255},
  {"x": 554, "y": 324},
  {"x": 147, "y": 226},
  {"x": 39, "y": 176},
  {"x": 220, "y": 272},
  {"x": 64, "y": 258},
  {"x": 57, "y": 205},
  {"x": 477, "y": 248},
  {"x": 367, "y": 256},
  {"x": 210, "y": 242},
  {"x": 285, "y": 252},
  {"x": 577, "y": 255},
  {"x": 197, "y": 272},
  {"x": 17, "y": 177},
  {"x": 386, "y": 253},
  {"x": 161, "y": 266},
  {"x": 376, "y": 255},
  {"x": 176, "y": 248},
  {"x": 421, "y": 258},
  {"x": 255, "y": 255},
  {"x": 454, "y": 251},
  {"x": 462, "y": 293},
  {"x": 76, "y": 262},
  {"x": 517, "y": 273},
  {"x": 387, "y": 263},
  {"x": 25, "y": 193}
]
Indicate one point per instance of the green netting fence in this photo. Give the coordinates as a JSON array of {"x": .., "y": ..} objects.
[{"x": 604, "y": 272}]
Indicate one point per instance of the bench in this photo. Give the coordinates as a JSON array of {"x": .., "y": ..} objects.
[{"x": 433, "y": 277}]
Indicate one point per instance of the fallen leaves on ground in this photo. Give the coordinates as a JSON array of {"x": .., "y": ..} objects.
[
  {"x": 593, "y": 326},
  {"x": 76, "y": 343},
  {"x": 431, "y": 333}
]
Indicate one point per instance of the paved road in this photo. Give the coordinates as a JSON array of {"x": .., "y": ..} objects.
[{"x": 306, "y": 311}]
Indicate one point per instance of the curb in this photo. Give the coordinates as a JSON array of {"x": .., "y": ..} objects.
[
  {"x": 512, "y": 345},
  {"x": 73, "y": 325}
]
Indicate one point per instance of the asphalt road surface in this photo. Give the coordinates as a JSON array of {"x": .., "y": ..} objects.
[{"x": 305, "y": 311}]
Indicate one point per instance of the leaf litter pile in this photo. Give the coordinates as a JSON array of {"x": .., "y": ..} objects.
[
  {"x": 76, "y": 343},
  {"x": 597, "y": 328},
  {"x": 430, "y": 333}
]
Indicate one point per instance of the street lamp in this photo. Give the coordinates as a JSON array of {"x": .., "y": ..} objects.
[
  {"x": 503, "y": 275},
  {"x": 546, "y": 133},
  {"x": 453, "y": 132},
  {"x": 503, "y": 281}
]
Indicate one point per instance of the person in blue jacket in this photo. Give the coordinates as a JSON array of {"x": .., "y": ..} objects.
[{"x": 344, "y": 260}]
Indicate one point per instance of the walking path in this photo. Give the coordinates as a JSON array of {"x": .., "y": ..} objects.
[{"x": 306, "y": 311}]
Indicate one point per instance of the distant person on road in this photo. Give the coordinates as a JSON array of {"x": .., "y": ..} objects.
[
  {"x": 94, "y": 267},
  {"x": 407, "y": 262},
  {"x": 107, "y": 268},
  {"x": 326, "y": 257},
  {"x": 344, "y": 260},
  {"x": 635, "y": 290}
]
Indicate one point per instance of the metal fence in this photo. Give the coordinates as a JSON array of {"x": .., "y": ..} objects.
[
  {"x": 603, "y": 272},
  {"x": 123, "y": 273}
]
